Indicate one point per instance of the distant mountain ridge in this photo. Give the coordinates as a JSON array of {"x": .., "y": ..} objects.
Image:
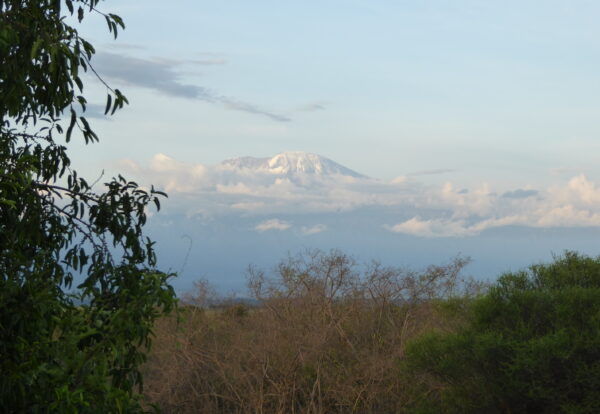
[{"x": 292, "y": 163}]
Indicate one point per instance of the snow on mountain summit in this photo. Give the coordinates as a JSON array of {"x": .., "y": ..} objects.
[{"x": 291, "y": 163}]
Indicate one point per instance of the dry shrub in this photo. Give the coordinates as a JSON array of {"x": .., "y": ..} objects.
[{"x": 325, "y": 336}]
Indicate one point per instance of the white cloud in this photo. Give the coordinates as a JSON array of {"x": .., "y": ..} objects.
[
  {"x": 273, "y": 224},
  {"x": 238, "y": 188},
  {"x": 401, "y": 179},
  {"x": 169, "y": 174},
  {"x": 451, "y": 228},
  {"x": 162, "y": 162},
  {"x": 584, "y": 190},
  {"x": 576, "y": 204},
  {"x": 317, "y": 228},
  {"x": 432, "y": 228},
  {"x": 409, "y": 207},
  {"x": 567, "y": 216}
]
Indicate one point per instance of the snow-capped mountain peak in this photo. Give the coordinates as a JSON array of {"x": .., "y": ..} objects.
[{"x": 292, "y": 163}]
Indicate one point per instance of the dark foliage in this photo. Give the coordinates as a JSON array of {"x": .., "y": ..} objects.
[
  {"x": 56, "y": 355},
  {"x": 532, "y": 346}
]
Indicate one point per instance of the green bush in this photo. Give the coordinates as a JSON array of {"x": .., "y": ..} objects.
[
  {"x": 60, "y": 352},
  {"x": 531, "y": 345}
]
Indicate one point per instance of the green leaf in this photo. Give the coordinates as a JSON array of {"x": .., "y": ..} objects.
[
  {"x": 35, "y": 48},
  {"x": 108, "y": 104},
  {"x": 72, "y": 123}
]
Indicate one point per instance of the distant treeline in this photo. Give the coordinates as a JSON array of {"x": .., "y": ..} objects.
[{"x": 324, "y": 335}]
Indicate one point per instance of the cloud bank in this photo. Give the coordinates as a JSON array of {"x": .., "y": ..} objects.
[{"x": 404, "y": 204}]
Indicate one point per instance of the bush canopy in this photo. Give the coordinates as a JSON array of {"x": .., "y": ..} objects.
[{"x": 532, "y": 345}]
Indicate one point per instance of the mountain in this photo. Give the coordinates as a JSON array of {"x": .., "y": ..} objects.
[{"x": 291, "y": 163}]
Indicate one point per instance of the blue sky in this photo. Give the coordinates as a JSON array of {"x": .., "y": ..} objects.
[
  {"x": 487, "y": 110},
  {"x": 502, "y": 90}
]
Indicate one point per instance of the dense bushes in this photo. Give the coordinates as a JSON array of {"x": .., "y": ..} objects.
[
  {"x": 322, "y": 337},
  {"x": 532, "y": 345}
]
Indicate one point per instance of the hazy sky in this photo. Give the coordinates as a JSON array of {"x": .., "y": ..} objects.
[
  {"x": 498, "y": 91},
  {"x": 478, "y": 121}
]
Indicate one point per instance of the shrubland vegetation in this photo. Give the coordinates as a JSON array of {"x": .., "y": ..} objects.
[
  {"x": 531, "y": 345},
  {"x": 324, "y": 335}
]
